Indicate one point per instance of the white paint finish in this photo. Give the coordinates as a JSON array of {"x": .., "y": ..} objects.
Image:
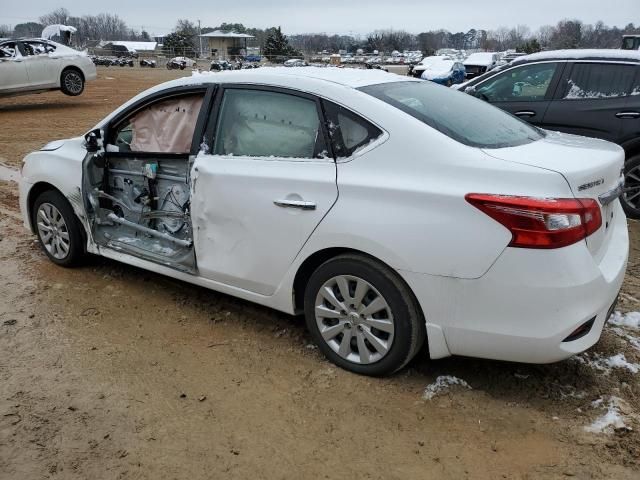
[
  {"x": 13, "y": 74},
  {"x": 61, "y": 168},
  {"x": 241, "y": 237},
  {"x": 528, "y": 302},
  {"x": 33, "y": 73},
  {"x": 400, "y": 200},
  {"x": 41, "y": 71},
  {"x": 581, "y": 161}
]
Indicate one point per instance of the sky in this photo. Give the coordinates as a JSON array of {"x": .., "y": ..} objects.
[{"x": 339, "y": 16}]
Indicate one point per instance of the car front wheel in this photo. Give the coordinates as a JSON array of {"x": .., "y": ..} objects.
[
  {"x": 362, "y": 316},
  {"x": 58, "y": 229},
  {"x": 71, "y": 82},
  {"x": 630, "y": 199}
]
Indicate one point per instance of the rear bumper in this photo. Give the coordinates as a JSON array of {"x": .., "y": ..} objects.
[
  {"x": 527, "y": 303},
  {"x": 90, "y": 72}
]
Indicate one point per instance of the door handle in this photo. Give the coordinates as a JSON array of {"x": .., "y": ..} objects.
[
  {"x": 525, "y": 113},
  {"x": 628, "y": 114},
  {"x": 301, "y": 204}
]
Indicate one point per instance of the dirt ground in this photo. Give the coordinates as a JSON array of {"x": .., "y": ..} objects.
[{"x": 111, "y": 372}]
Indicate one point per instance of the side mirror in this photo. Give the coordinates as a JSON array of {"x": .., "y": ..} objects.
[
  {"x": 470, "y": 91},
  {"x": 92, "y": 141}
]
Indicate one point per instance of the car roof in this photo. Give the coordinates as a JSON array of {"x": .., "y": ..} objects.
[
  {"x": 347, "y": 77},
  {"x": 581, "y": 54}
]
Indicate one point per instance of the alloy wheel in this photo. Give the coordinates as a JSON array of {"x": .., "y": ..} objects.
[
  {"x": 354, "y": 319},
  {"x": 53, "y": 231},
  {"x": 73, "y": 82}
]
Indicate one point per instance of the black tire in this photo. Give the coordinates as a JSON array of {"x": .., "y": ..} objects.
[
  {"x": 409, "y": 327},
  {"x": 72, "y": 82},
  {"x": 631, "y": 208},
  {"x": 76, "y": 249}
]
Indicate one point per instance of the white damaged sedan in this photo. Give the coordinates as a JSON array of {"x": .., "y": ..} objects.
[
  {"x": 390, "y": 211},
  {"x": 37, "y": 65}
]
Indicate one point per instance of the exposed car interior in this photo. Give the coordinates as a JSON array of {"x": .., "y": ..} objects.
[
  {"x": 8, "y": 50},
  {"x": 33, "y": 47},
  {"x": 139, "y": 188}
]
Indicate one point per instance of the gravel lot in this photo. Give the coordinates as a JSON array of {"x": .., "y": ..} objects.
[{"x": 108, "y": 371}]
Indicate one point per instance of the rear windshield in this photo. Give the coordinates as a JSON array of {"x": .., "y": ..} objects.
[{"x": 460, "y": 116}]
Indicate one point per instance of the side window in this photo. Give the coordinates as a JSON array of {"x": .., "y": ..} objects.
[
  {"x": 37, "y": 48},
  {"x": 8, "y": 50},
  {"x": 261, "y": 123},
  {"x": 527, "y": 83},
  {"x": 165, "y": 126},
  {"x": 598, "y": 80},
  {"x": 347, "y": 130}
]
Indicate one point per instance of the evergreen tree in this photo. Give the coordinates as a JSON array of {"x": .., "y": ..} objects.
[{"x": 277, "y": 44}]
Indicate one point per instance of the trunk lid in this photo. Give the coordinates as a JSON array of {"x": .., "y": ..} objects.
[{"x": 593, "y": 169}]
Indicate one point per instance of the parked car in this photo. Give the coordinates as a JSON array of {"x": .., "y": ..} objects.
[
  {"x": 456, "y": 222},
  {"x": 124, "y": 62},
  {"x": 36, "y": 65},
  {"x": 442, "y": 70},
  {"x": 295, "y": 62},
  {"x": 219, "y": 65},
  {"x": 586, "y": 92},
  {"x": 479, "y": 63},
  {"x": 375, "y": 66},
  {"x": 180, "y": 63}
]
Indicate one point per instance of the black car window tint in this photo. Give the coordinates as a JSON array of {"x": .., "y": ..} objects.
[{"x": 589, "y": 81}]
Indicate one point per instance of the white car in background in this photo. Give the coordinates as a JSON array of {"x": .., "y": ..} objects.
[
  {"x": 479, "y": 63},
  {"x": 388, "y": 210},
  {"x": 37, "y": 65}
]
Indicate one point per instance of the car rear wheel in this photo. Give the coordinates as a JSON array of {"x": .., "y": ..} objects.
[
  {"x": 58, "y": 229},
  {"x": 71, "y": 82},
  {"x": 630, "y": 199},
  {"x": 362, "y": 316}
]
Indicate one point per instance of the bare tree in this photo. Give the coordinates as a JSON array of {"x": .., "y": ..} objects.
[{"x": 58, "y": 16}]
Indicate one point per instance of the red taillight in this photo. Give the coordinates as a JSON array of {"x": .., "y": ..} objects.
[{"x": 541, "y": 222}]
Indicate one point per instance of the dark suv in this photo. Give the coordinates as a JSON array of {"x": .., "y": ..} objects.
[{"x": 595, "y": 93}]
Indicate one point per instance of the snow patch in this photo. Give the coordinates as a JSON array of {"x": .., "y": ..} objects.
[
  {"x": 575, "y": 92},
  {"x": 617, "y": 54},
  {"x": 606, "y": 364},
  {"x": 628, "y": 320},
  {"x": 619, "y": 361},
  {"x": 442, "y": 383},
  {"x": 611, "y": 420}
]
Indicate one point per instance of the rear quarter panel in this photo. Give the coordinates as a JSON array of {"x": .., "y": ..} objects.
[{"x": 403, "y": 201}]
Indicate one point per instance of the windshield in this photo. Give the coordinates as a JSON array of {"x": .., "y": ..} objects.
[{"x": 459, "y": 116}]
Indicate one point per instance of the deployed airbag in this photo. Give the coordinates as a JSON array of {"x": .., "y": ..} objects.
[{"x": 166, "y": 126}]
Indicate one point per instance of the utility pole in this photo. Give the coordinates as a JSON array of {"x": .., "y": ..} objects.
[{"x": 200, "y": 37}]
